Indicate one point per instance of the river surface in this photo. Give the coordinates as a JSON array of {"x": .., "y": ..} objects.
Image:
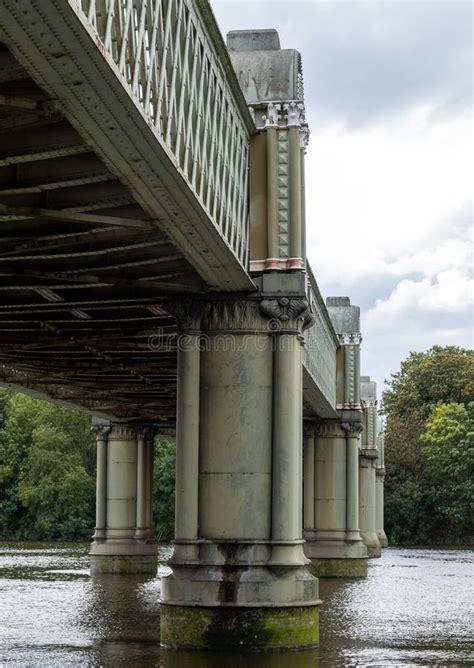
[{"x": 414, "y": 609}]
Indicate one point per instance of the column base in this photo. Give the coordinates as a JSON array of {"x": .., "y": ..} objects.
[
  {"x": 372, "y": 544},
  {"x": 242, "y": 629},
  {"x": 332, "y": 559},
  {"x": 123, "y": 558},
  {"x": 339, "y": 568},
  {"x": 383, "y": 540}
]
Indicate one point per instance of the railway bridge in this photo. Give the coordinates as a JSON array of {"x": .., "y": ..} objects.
[{"x": 153, "y": 272}]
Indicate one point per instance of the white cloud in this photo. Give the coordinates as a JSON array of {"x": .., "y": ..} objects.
[
  {"x": 389, "y": 169},
  {"x": 380, "y": 197}
]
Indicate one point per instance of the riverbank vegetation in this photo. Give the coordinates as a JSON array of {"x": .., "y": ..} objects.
[
  {"x": 429, "y": 448},
  {"x": 47, "y": 460},
  {"x": 47, "y": 473}
]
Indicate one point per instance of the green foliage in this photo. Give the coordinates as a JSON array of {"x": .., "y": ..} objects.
[
  {"x": 428, "y": 492},
  {"x": 47, "y": 473},
  {"x": 47, "y": 469},
  {"x": 449, "y": 452},
  {"x": 164, "y": 478}
]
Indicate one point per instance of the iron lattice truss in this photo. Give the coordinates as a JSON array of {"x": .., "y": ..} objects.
[{"x": 187, "y": 89}]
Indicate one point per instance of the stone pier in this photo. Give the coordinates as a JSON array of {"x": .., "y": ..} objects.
[
  {"x": 123, "y": 540},
  {"x": 379, "y": 487},
  {"x": 331, "y": 466},
  {"x": 239, "y": 575},
  {"x": 367, "y": 468}
]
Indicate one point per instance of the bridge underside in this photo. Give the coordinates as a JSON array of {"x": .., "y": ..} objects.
[{"x": 83, "y": 269}]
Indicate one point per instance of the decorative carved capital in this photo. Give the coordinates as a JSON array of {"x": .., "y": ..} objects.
[
  {"x": 350, "y": 338},
  {"x": 352, "y": 429},
  {"x": 329, "y": 429},
  {"x": 304, "y": 136},
  {"x": 101, "y": 430},
  {"x": 145, "y": 432},
  {"x": 309, "y": 428},
  {"x": 285, "y": 313},
  {"x": 368, "y": 403},
  {"x": 294, "y": 113},
  {"x": 123, "y": 432},
  {"x": 272, "y": 116},
  {"x": 188, "y": 313},
  {"x": 234, "y": 314}
]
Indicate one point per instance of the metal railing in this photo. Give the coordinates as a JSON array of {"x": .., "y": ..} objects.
[
  {"x": 321, "y": 343},
  {"x": 171, "y": 57}
]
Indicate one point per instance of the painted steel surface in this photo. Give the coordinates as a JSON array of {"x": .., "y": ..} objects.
[{"x": 176, "y": 67}]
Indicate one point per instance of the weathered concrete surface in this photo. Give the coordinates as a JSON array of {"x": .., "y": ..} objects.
[
  {"x": 245, "y": 550},
  {"x": 339, "y": 568},
  {"x": 379, "y": 506},
  {"x": 367, "y": 502},
  {"x": 234, "y": 629},
  {"x": 123, "y": 539}
]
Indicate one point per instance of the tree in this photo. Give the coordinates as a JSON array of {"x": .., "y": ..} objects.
[
  {"x": 164, "y": 480},
  {"x": 449, "y": 453},
  {"x": 425, "y": 380},
  {"x": 47, "y": 470}
]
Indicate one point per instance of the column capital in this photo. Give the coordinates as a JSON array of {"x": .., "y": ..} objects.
[
  {"x": 309, "y": 428},
  {"x": 368, "y": 403},
  {"x": 123, "y": 431},
  {"x": 304, "y": 136},
  {"x": 272, "y": 116},
  {"x": 295, "y": 114},
  {"x": 101, "y": 430},
  {"x": 145, "y": 432},
  {"x": 352, "y": 428},
  {"x": 329, "y": 429},
  {"x": 287, "y": 314},
  {"x": 188, "y": 313},
  {"x": 350, "y": 338}
]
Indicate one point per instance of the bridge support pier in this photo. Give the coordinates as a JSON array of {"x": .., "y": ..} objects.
[
  {"x": 333, "y": 541},
  {"x": 239, "y": 575},
  {"x": 367, "y": 501},
  {"x": 379, "y": 505},
  {"x": 123, "y": 538}
]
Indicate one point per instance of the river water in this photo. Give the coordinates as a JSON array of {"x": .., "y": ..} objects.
[{"x": 414, "y": 609}]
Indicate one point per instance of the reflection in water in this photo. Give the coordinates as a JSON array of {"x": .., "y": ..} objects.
[{"x": 415, "y": 608}]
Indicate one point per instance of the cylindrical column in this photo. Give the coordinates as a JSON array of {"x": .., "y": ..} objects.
[
  {"x": 121, "y": 483},
  {"x": 308, "y": 478},
  {"x": 330, "y": 483},
  {"x": 187, "y": 446},
  {"x": 367, "y": 519},
  {"x": 286, "y": 446},
  {"x": 379, "y": 505},
  {"x": 150, "y": 451},
  {"x": 142, "y": 479},
  {"x": 125, "y": 543},
  {"x": 101, "y": 431},
  {"x": 353, "y": 431}
]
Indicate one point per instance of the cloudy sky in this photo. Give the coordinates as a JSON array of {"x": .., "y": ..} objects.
[{"x": 388, "y": 90}]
